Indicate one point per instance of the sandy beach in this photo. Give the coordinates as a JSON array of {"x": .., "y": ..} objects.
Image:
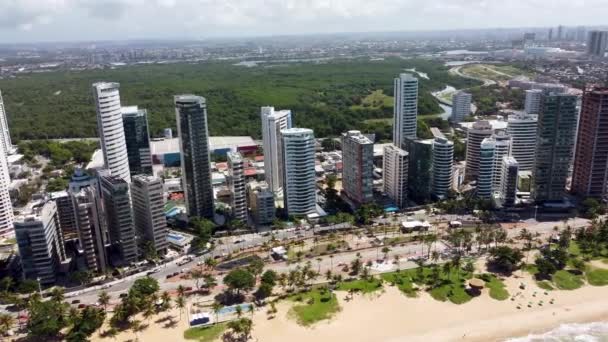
[{"x": 389, "y": 316}]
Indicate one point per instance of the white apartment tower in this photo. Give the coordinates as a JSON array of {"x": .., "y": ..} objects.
[
  {"x": 486, "y": 168},
  {"x": 405, "y": 109},
  {"x": 502, "y": 149},
  {"x": 395, "y": 174},
  {"x": 236, "y": 182},
  {"x": 461, "y": 106},
  {"x": 5, "y": 136},
  {"x": 6, "y": 207},
  {"x": 522, "y": 129},
  {"x": 299, "y": 171},
  {"x": 443, "y": 161},
  {"x": 148, "y": 212},
  {"x": 272, "y": 124},
  {"x": 110, "y": 128},
  {"x": 475, "y": 135}
]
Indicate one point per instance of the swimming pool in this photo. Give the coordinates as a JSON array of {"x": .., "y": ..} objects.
[{"x": 232, "y": 309}]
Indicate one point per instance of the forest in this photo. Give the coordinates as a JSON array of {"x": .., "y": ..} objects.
[{"x": 326, "y": 97}]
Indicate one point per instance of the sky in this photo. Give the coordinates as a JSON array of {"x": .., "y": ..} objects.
[{"x": 86, "y": 20}]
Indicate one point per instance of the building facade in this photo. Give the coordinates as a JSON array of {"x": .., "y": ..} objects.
[
  {"x": 7, "y": 216},
  {"x": 236, "y": 183},
  {"x": 272, "y": 124},
  {"x": 5, "y": 135},
  {"x": 443, "y": 161},
  {"x": 597, "y": 43},
  {"x": 137, "y": 136},
  {"x": 405, "y": 109},
  {"x": 509, "y": 180},
  {"x": 554, "y": 148},
  {"x": 261, "y": 202},
  {"x": 522, "y": 129},
  {"x": 420, "y": 170},
  {"x": 149, "y": 217},
  {"x": 533, "y": 101},
  {"x": 395, "y": 174},
  {"x": 486, "y": 169},
  {"x": 461, "y": 106},
  {"x": 119, "y": 216},
  {"x": 40, "y": 243},
  {"x": 92, "y": 235},
  {"x": 502, "y": 148},
  {"x": 110, "y": 128},
  {"x": 358, "y": 167},
  {"x": 475, "y": 135},
  {"x": 191, "y": 112},
  {"x": 590, "y": 177},
  {"x": 300, "y": 195}
]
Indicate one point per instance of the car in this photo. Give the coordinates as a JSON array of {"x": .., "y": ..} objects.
[
  {"x": 169, "y": 276},
  {"x": 76, "y": 301},
  {"x": 122, "y": 295},
  {"x": 239, "y": 241},
  {"x": 82, "y": 306},
  {"x": 189, "y": 288}
]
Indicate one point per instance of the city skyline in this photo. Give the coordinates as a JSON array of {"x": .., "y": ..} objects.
[{"x": 52, "y": 20}]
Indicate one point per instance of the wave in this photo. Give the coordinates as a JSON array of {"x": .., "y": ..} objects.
[{"x": 572, "y": 332}]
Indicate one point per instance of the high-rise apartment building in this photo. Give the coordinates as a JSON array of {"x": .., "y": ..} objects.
[
  {"x": 533, "y": 101},
  {"x": 475, "y": 135},
  {"x": 236, "y": 183},
  {"x": 443, "y": 161},
  {"x": 405, "y": 109},
  {"x": 299, "y": 183},
  {"x": 358, "y": 167},
  {"x": 137, "y": 136},
  {"x": 509, "y": 179},
  {"x": 395, "y": 173},
  {"x": 149, "y": 217},
  {"x": 272, "y": 124},
  {"x": 40, "y": 243},
  {"x": 522, "y": 129},
  {"x": 119, "y": 216},
  {"x": 590, "y": 177},
  {"x": 486, "y": 169},
  {"x": 597, "y": 43},
  {"x": 6, "y": 207},
  {"x": 66, "y": 214},
  {"x": 92, "y": 235},
  {"x": 110, "y": 128},
  {"x": 261, "y": 202},
  {"x": 420, "y": 170},
  {"x": 461, "y": 106},
  {"x": 557, "y": 123},
  {"x": 502, "y": 148},
  {"x": 191, "y": 112},
  {"x": 5, "y": 135}
]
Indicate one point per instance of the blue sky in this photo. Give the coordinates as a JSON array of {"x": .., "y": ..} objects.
[{"x": 66, "y": 20}]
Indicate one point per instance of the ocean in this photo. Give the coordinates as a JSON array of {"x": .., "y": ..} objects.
[{"x": 575, "y": 332}]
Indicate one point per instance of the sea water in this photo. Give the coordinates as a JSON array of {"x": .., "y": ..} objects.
[{"x": 584, "y": 332}]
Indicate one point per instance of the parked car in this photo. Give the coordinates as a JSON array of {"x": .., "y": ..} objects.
[{"x": 76, "y": 301}]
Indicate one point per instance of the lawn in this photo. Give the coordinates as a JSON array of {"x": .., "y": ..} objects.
[
  {"x": 484, "y": 71},
  {"x": 597, "y": 277},
  {"x": 314, "y": 306},
  {"x": 404, "y": 282},
  {"x": 362, "y": 285},
  {"x": 496, "y": 286},
  {"x": 545, "y": 285},
  {"x": 449, "y": 286},
  {"x": 377, "y": 99},
  {"x": 565, "y": 280},
  {"x": 205, "y": 334}
]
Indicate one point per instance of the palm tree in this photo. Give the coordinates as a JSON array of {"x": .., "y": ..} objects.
[
  {"x": 319, "y": 264},
  {"x": 430, "y": 240},
  {"x": 328, "y": 275},
  {"x": 209, "y": 281},
  {"x": 57, "y": 295},
  {"x": 216, "y": 306},
  {"x": 331, "y": 261},
  {"x": 385, "y": 251},
  {"x": 103, "y": 299},
  {"x": 181, "y": 290},
  {"x": 180, "y": 302},
  {"x": 166, "y": 298},
  {"x": 196, "y": 274},
  {"x": 239, "y": 311},
  {"x": 6, "y": 323}
]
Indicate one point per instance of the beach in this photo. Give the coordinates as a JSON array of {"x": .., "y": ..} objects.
[{"x": 390, "y": 316}]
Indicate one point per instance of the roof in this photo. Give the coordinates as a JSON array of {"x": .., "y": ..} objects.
[
  {"x": 415, "y": 224},
  {"x": 164, "y": 146},
  {"x": 250, "y": 172}
]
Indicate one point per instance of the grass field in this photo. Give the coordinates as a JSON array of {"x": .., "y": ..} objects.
[
  {"x": 565, "y": 280},
  {"x": 377, "y": 99},
  {"x": 316, "y": 305},
  {"x": 496, "y": 286},
  {"x": 493, "y": 72},
  {"x": 362, "y": 285},
  {"x": 597, "y": 277},
  {"x": 205, "y": 334}
]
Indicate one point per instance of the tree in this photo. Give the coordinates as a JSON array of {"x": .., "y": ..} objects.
[
  {"x": 203, "y": 230},
  {"x": 269, "y": 277},
  {"x": 28, "y": 286},
  {"x": 241, "y": 327},
  {"x": 144, "y": 287},
  {"x": 166, "y": 298},
  {"x": 216, "y": 307},
  {"x": 239, "y": 279},
  {"x": 385, "y": 251},
  {"x": 256, "y": 267},
  {"x": 505, "y": 259},
  {"x": 197, "y": 274},
  {"x": 209, "y": 281},
  {"x": 355, "y": 266},
  {"x": 57, "y": 294},
  {"x": 85, "y": 324},
  {"x": 180, "y": 302},
  {"x": 103, "y": 299},
  {"x": 46, "y": 319},
  {"x": 181, "y": 290},
  {"x": 264, "y": 291},
  {"x": 239, "y": 311},
  {"x": 6, "y": 323}
]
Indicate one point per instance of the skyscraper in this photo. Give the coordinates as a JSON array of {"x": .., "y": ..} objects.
[
  {"x": 461, "y": 106},
  {"x": 533, "y": 99},
  {"x": 272, "y": 124},
  {"x": 6, "y": 207},
  {"x": 556, "y": 135},
  {"x": 443, "y": 160},
  {"x": 405, "y": 109},
  {"x": 40, "y": 243},
  {"x": 358, "y": 167},
  {"x": 91, "y": 230},
  {"x": 110, "y": 128},
  {"x": 475, "y": 135},
  {"x": 509, "y": 177},
  {"x": 299, "y": 171},
  {"x": 149, "y": 214},
  {"x": 597, "y": 43},
  {"x": 66, "y": 214},
  {"x": 395, "y": 173},
  {"x": 119, "y": 215},
  {"x": 5, "y": 135},
  {"x": 486, "y": 169},
  {"x": 261, "y": 201},
  {"x": 522, "y": 129},
  {"x": 420, "y": 169},
  {"x": 236, "y": 182},
  {"x": 191, "y": 112},
  {"x": 137, "y": 136},
  {"x": 502, "y": 148},
  {"x": 590, "y": 177}
]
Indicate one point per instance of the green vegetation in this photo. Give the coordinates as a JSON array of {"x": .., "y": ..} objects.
[
  {"x": 320, "y": 95},
  {"x": 369, "y": 285},
  {"x": 545, "y": 285},
  {"x": 377, "y": 99},
  {"x": 496, "y": 286},
  {"x": 319, "y": 305},
  {"x": 485, "y": 98},
  {"x": 404, "y": 282},
  {"x": 59, "y": 153},
  {"x": 597, "y": 277},
  {"x": 205, "y": 334},
  {"x": 493, "y": 72},
  {"x": 565, "y": 280}
]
